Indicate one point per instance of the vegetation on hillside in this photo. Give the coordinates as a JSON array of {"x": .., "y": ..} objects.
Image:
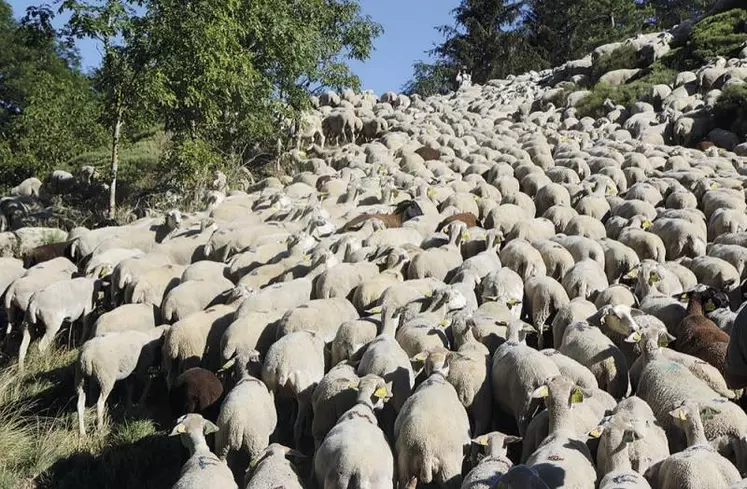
[
  {"x": 493, "y": 39},
  {"x": 219, "y": 78}
]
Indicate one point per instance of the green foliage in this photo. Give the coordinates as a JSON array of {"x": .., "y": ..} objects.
[
  {"x": 48, "y": 112},
  {"x": 624, "y": 57},
  {"x": 669, "y": 13},
  {"x": 431, "y": 79},
  {"x": 593, "y": 105},
  {"x": 561, "y": 30},
  {"x": 730, "y": 112},
  {"x": 227, "y": 68},
  {"x": 718, "y": 35}
]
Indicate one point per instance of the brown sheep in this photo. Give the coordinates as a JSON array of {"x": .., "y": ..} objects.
[
  {"x": 466, "y": 217},
  {"x": 697, "y": 335},
  {"x": 196, "y": 390},
  {"x": 47, "y": 252},
  {"x": 428, "y": 154},
  {"x": 405, "y": 210}
]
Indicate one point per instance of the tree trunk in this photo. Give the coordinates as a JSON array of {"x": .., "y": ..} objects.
[{"x": 116, "y": 130}]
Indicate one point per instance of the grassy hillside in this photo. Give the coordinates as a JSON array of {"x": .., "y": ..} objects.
[
  {"x": 719, "y": 35},
  {"x": 39, "y": 438}
]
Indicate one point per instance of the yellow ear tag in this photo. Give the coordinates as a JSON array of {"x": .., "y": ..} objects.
[
  {"x": 714, "y": 186},
  {"x": 654, "y": 277},
  {"x": 476, "y": 197},
  {"x": 576, "y": 396},
  {"x": 253, "y": 463},
  {"x": 483, "y": 441},
  {"x": 681, "y": 414},
  {"x": 646, "y": 224},
  {"x": 596, "y": 432},
  {"x": 636, "y": 336},
  {"x": 381, "y": 392},
  {"x": 444, "y": 323},
  {"x": 354, "y": 384},
  {"x": 709, "y": 306},
  {"x": 663, "y": 342},
  {"x": 181, "y": 429},
  {"x": 465, "y": 236},
  {"x": 540, "y": 392}
]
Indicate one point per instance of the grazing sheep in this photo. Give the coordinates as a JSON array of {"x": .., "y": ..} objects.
[
  {"x": 50, "y": 307},
  {"x": 116, "y": 356},
  {"x": 192, "y": 296},
  {"x": 432, "y": 429},
  {"x": 355, "y": 451},
  {"x": 490, "y": 470},
  {"x": 203, "y": 469},
  {"x": 563, "y": 458},
  {"x": 590, "y": 347},
  {"x": 273, "y": 469},
  {"x": 293, "y": 367},
  {"x": 247, "y": 415},
  {"x": 196, "y": 390},
  {"x": 516, "y": 371},
  {"x": 697, "y": 335},
  {"x": 699, "y": 465}
]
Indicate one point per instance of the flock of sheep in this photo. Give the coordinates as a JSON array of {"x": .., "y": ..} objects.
[{"x": 475, "y": 290}]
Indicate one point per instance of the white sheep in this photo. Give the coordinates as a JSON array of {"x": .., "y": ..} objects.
[
  {"x": 66, "y": 300},
  {"x": 203, "y": 468},
  {"x": 247, "y": 415},
  {"x": 111, "y": 358},
  {"x": 432, "y": 429}
]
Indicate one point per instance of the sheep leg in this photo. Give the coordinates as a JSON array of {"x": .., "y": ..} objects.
[
  {"x": 81, "y": 408},
  {"x": 106, "y": 389},
  {"x": 146, "y": 390},
  {"x": 128, "y": 394},
  {"x": 25, "y": 341},
  {"x": 298, "y": 426}
]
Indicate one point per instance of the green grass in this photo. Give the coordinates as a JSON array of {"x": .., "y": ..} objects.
[{"x": 39, "y": 442}]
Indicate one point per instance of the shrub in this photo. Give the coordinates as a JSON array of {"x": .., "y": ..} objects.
[
  {"x": 593, "y": 105},
  {"x": 730, "y": 111},
  {"x": 624, "y": 57},
  {"x": 718, "y": 35}
]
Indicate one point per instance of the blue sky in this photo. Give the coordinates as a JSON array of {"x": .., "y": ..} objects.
[{"x": 408, "y": 32}]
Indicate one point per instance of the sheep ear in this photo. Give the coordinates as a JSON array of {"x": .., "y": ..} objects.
[
  {"x": 509, "y": 439},
  {"x": 596, "y": 432},
  {"x": 540, "y": 392},
  {"x": 209, "y": 427},
  {"x": 576, "y": 396},
  {"x": 178, "y": 430},
  {"x": 631, "y": 274},
  {"x": 634, "y": 337},
  {"x": 227, "y": 365},
  {"x": 482, "y": 441},
  {"x": 708, "y": 413},
  {"x": 665, "y": 338},
  {"x": 420, "y": 357},
  {"x": 353, "y": 384},
  {"x": 629, "y": 436},
  {"x": 679, "y": 413},
  {"x": 294, "y": 453}
]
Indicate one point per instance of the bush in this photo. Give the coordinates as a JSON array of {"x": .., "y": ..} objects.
[
  {"x": 730, "y": 111},
  {"x": 624, "y": 57},
  {"x": 593, "y": 105},
  {"x": 718, "y": 35}
]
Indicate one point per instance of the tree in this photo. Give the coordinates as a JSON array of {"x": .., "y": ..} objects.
[
  {"x": 122, "y": 78},
  {"x": 669, "y": 13},
  {"x": 48, "y": 112},
  {"x": 561, "y": 30},
  {"x": 232, "y": 68},
  {"x": 484, "y": 39}
]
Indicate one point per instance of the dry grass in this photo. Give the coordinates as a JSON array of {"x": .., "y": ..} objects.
[{"x": 39, "y": 442}]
